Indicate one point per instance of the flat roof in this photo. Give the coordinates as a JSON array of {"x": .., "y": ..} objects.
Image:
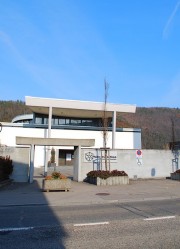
[{"x": 75, "y": 108}]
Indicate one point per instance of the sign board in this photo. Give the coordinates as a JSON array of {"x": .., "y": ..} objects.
[
  {"x": 139, "y": 157},
  {"x": 139, "y": 153},
  {"x": 97, "y": 155}
]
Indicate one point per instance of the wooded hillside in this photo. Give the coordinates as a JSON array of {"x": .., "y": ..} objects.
[
  {"x": 11, "y": 109},
  {"x": 159, "y": 125}
]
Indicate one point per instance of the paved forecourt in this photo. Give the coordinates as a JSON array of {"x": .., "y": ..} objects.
[{"x": 83, "y": 193}]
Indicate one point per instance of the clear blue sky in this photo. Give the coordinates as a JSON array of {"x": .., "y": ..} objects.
[{"x": 66, "y": 48}]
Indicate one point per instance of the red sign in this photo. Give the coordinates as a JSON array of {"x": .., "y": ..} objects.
[{"x": 139, "y": 153}]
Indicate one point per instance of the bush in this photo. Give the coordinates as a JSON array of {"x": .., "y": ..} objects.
[
  {"x": 55, "y": 176},
  {"x": 105, "y": 174},
  {"x": 177, "y": 171},
  {"x": 118, "y": 173},
  {"x": 6, "y": 167}
]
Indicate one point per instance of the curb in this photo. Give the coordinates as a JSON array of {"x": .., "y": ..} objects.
[{"x": 65, "y": 204}]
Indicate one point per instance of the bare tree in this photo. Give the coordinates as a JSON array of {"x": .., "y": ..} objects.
[
  {"x": 105, "y": 123},
  {"x": 174, "y": 120},
  {"x": 173, "y": 132}
]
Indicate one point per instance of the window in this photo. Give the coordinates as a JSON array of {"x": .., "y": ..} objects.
[
  {"x": 75, "y": 122},
  {"x": 56, "y": 120},
  {"x": 67, "y": 121},
  {"x": 86, "y": 122},
  {"x": 38, "y": 120},
  {"x": 45, "y": 121}
]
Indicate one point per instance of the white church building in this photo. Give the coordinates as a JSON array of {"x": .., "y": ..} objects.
[{"x": 69, "y": 120}]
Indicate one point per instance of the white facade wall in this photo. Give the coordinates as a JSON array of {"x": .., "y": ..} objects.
[
  {"x": 8, "y": 138},
  {"x": 124, "y": 140}
]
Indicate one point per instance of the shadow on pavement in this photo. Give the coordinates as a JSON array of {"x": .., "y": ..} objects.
[{"x": 27, "y": 220}]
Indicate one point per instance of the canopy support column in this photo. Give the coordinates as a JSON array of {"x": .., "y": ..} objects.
[
  {"x": 49, "y": 136},
  {"x": 114, "y": 130},
  {"x": 31, "y": 170}
]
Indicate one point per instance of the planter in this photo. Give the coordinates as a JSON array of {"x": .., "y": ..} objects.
[
  {"x": 175, "y": 176},
  {"x": 58, "y": 184},
  {"x": 110, "y": 181}
]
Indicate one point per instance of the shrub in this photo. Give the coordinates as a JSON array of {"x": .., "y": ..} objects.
[
  {"x": 118, "y": 173},
  {"x": 55, "y": 176},
  {"x": 48, "y": 178},
  {"x": 177, "y": 171},
  {"x": 105, "y": 174},
  {"x": 6, "y": 167},
  {"x": 63, "y": 176}
]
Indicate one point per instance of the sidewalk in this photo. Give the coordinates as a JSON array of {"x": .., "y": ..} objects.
[{"x": 86, "y": 194}]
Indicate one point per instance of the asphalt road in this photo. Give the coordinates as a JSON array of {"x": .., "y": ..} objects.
[{"x": 152, "y": 224}]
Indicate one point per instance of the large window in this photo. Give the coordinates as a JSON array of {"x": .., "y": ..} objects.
[
  {"x": 41, "y": 119},
  {"x": 38, "y": 120}
]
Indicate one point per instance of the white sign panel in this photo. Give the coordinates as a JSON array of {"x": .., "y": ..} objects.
[{"x": 97, "y": 155}]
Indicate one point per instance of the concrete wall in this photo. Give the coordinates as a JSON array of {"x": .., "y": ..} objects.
[
  {"x": 152, "y": 163},
  {"x": 127, "y": 139},
  {"x": 20, "y": 160}
]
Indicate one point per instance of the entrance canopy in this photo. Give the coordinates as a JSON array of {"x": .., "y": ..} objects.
[
  {"x": 75, "y": 108},
  {"x": 54, "y": 141},
  {"x": 33, "y": 141}
]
